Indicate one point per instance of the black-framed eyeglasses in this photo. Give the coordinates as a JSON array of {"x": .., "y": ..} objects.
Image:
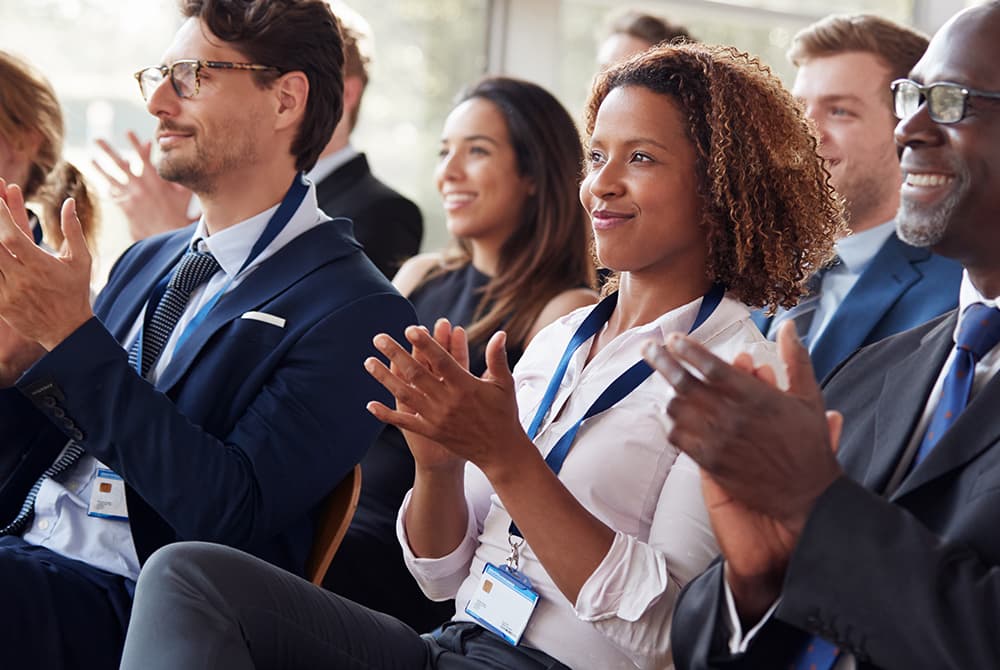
[
  {"x": 946, "y": 102},
  {"x": 185, "y": 75}
]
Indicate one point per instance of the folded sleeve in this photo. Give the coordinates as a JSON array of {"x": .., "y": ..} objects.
[
  {"x": 630, "y": 596},
  {"x": 440, "y": 578}
]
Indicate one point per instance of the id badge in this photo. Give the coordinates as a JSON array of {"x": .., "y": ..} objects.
[
  {"x": 107, "y": 496},
  {"x": 503, "y": 603}
]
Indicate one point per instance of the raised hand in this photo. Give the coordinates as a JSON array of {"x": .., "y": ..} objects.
[
  {"x": 766, "y": 455},
  {"x": 150, "y": 203},
  {"x": 428, "y": 454},
  {"x": 471, "y": 417},
  {"x": 43, "y": 297}
]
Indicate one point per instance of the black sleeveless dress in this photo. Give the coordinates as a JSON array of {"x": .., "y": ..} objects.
[{"x": 368, "y": 567}]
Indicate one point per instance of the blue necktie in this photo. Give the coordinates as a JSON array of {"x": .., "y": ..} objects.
[
  {"x": 803, "y": 313},
  {"x": 979, "y": 332}
]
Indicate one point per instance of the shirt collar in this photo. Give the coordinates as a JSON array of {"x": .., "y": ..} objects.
[
  {"x": 856, "y": 251},
  {"x": 968, "y": 295},
  {"x": 327, "y": 165},
  {"x": 231, "y": 247}
]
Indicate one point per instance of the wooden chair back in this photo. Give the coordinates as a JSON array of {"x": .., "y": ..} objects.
[{"x": 338, "y": 510}]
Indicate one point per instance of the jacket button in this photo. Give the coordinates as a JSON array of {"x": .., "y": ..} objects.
[
  {"x": 77, "y": 435},
  {"x": 58, "y": 412},
  {"x": 49, "y": 401}
]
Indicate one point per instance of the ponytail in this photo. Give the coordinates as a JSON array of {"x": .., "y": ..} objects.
[{"x": 65, "y": 181}]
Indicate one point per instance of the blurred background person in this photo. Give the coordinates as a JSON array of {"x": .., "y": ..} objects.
[
  {"x": 388, "y": 225},
  {"x": 630, "y": 31},
  {"x": 520, "y": 258},
  {"x": 31, "y": 145},
  {"x": 879, "y": 285}
]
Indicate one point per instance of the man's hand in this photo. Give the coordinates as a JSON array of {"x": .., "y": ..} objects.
[
  {"x": 766, "y": 455},
  {"x": 42, "y": 297},
  {"x": 151, "y": 204}
]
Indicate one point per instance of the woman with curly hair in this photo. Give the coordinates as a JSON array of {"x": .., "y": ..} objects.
[{"x": 550, "y": 502}]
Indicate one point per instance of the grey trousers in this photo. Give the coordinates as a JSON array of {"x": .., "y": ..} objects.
[{"x": 201, "y": 605}]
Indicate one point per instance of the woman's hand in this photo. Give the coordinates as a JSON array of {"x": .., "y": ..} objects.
[
  {"x": 473, "y": 418},
  {"x": 428, "y": 454}
]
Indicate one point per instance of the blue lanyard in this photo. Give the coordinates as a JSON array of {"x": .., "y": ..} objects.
[
  {"x": 626, "y": 382},
  {"x": 289, "y": 205}
]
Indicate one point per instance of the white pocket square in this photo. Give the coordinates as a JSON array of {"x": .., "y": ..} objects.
[{"x": 265, "y": 318}]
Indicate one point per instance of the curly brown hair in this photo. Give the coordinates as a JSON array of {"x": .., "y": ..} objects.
[{"x": 769, "y": 210}]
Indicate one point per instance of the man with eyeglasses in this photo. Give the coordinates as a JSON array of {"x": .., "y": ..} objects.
[
  {"x": 217, "y": 389},
  {"x": 388, "y": 225},
  {"x": 887, "y": 554},
  {"x": 879, "y": 284}
]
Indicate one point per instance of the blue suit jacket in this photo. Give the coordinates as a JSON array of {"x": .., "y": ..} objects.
[
  {"x": 902, "y": 287},
  {"x": 250, "y": 425}
]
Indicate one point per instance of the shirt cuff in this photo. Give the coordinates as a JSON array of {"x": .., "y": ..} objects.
[
  {"x": 625, "y": 584},
  {"x": 738, "y": 642},
  {"x": 430, "y": 570}
]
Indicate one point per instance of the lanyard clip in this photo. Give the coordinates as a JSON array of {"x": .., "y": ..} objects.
[{"x": 515, "y": 543}]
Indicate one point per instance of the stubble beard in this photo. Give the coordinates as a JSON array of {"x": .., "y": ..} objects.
[{"x": 200, "y": 173}]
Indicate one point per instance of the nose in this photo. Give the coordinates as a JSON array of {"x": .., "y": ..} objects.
[
  {"x": 163, "y": 101},
  {"x": 450, "y": 167},
  {"x": 816, "y": 118},
  {"x": 604, "y": 182},
  {"x": 918, "y": 130}
]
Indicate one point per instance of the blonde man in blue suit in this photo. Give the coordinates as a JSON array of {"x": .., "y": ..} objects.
[
  {"x": 216, "y": 390},
  {"x": 880, "y": 285}
]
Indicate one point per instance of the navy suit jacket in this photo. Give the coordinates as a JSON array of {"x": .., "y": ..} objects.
[
  {"x": 250, "y": 425},
  {"x": 389, "y": 227},
  {"x": 902, "y": 287},
  {"x": 907, "y": 579}
]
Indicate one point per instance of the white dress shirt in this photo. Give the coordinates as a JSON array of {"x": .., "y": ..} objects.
[
  {"x": 623, "y": 470},
  {"x": 61, "y": 522},
  {"x": 987, "y": 367},
  {"x": 856, "y": 252}
]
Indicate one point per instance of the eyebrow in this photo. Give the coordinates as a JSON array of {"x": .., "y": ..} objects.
[
  {"x": 631, "y": 142},
  {"x": 474, "y": 138},
  {"x": 839, "y": 97}
]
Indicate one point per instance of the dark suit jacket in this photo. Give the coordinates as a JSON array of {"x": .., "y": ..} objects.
[
  {"x": 909, "y": 581},
  {"x": 251, "y": 424},
  {"x": 388, "y": 225},
  {"x": 902, "y": 287}
]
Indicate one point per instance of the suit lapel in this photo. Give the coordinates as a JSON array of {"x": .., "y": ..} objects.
[
  {"x": 316, "y": 247},
  {"x": 120, "y": 314},
  {"x": 902, "y": 400},
  {"x": 887, "y": 277},
  {"x": 975, "y": 430}
]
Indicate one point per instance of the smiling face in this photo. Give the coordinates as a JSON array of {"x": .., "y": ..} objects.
[
  {"x": 477, "y": 174},
  {"x": 950, "y": 199},
  {"x": 847, "y": 96},
  {"x": 221, "y": 131},
  {"x": 641, "y": 188}
]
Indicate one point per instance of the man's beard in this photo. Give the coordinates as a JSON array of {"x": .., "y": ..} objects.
[
  {"x": 926, "y": 226},
  {"x": 201, "y": 172}
]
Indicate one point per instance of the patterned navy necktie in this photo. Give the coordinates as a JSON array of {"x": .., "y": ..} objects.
[
  {"x": 978, "y": 333},
  {"x": 195, "y": 269}
]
